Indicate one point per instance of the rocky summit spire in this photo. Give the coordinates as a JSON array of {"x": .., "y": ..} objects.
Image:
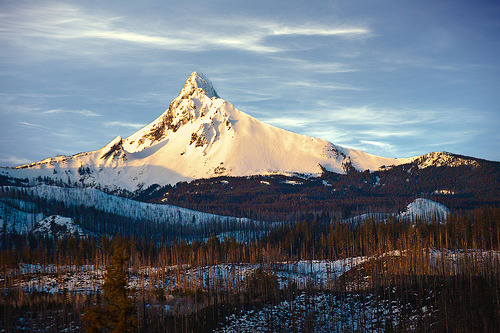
[{"x": 199, "y": 81}]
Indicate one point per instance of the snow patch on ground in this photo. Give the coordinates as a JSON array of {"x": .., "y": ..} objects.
[
  {"x": 16, "y": 220},
  {"x": 88, "y": 278},
  {"x": 444, "y": 192},
  {"x": 292, "y": 182},
  {"x": 323, "y": 312}
]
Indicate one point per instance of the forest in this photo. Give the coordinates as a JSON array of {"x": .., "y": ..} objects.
[
  {"x": 315, "y": 275},
  {"x": 280, "y": 197}
]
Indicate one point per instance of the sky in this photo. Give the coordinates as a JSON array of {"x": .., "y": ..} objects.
[{"x": 392, "y": 78}]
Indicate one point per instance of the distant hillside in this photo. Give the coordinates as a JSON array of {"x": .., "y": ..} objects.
[{"x": 465, "y": 186}]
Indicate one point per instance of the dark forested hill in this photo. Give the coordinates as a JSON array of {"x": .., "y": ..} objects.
[{"x": 387, "y": 190}]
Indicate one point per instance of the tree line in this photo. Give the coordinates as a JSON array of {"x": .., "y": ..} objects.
[
  {"x": 462, "y": 294},
  {"x": 308, "y": 239}
]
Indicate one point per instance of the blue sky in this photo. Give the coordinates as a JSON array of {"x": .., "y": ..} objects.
[{"x": 392, "y": 78}]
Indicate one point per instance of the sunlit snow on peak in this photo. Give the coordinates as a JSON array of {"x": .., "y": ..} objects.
[{"x": 198, "y": 81}]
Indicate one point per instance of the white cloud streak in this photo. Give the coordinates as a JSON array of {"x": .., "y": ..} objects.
[
  {"x": 320, "y": 31},
  {"x": 288, "y": 121},
  {"x": 322, "y": 85},
  {"x": 14, "y": 160},
  {"x": 377, "y": 144},
  {"x": 381, "y": 131},
  {"x": 392, "y": 133},
  {"x": 85, "y": 113},
  {"x": 61, "y": 23},
  {"x": 32, "y": 125},
  {"x": 123, "y": 124},
  {"x": 320, "y": 67}
]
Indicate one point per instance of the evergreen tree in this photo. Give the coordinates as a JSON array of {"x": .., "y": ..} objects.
[{"x": 117, "y": 315}]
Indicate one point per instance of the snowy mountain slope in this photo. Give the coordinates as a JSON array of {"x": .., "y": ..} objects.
[
  {"x": 418, "y": 209},
  {"x": 200, "y": 135},
  {"x": 21, "y": 221},
  {"x": 444, "y": 159},
  {"x": 16, "y": 220},
  {"x": 100, "y": 201},
  {"x": 326, "y": 312},
  {"x": 57, "y": 226},
  {"x": 424, "y": 208}
]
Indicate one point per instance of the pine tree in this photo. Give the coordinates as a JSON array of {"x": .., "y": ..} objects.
[{"x": 117, "y": 315}]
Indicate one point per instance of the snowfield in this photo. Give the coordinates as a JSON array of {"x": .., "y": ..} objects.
[
  {"x": 313, "y": 307},
  {"x": 321, "y": 273},
  {"x": 89, "y": 278},
  {"x": 16, "y": 220},
  {"x": 18, "y": 215}
]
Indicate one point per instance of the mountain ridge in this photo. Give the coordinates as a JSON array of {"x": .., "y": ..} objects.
[{"x": 201, "y": 135}]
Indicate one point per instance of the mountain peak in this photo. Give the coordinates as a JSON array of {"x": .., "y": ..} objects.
[{"x": 198, "y": 81}]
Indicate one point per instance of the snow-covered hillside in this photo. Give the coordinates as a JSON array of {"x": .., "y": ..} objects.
[
  {"x": 200, "y": 135},
  {"x": 424, "y": 209},
  {"x": 21, "y": 221},
  {"x": 17, "y": 220},
  {"x": 419, "y": 209},
  {"x": 93, "y": 198},
  {"x": 326, "y": 312},
  {"x": 443, "y": 159},
  {"x": 57, "y": 226}
]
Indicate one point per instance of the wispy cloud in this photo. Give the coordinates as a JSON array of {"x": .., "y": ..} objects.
[
  {"x": 319, "y": 31},
  {"x": 322, "y": 85},
  {"x": 376, "y": 116},
  {"x": 47, "y": 130},
  {"x": 123, "y": 124},
  {"x": 382, "y": 130},
  {"x": 86, "y": 113},
  {"x": 32, "y": 125},
  {"x": 13, "y": 160},
  {"x": 380, "y": 133},
  {"x": 288, "y": 121},
  {"x": 274, "y": 28},
  {"x": 380, "y": 144},
  {"x": 58, "y": 24},
  {"x": 317, "y": 66}
]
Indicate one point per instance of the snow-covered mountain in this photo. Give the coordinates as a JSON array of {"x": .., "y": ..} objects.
[{"x": 200, "y": 135}]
